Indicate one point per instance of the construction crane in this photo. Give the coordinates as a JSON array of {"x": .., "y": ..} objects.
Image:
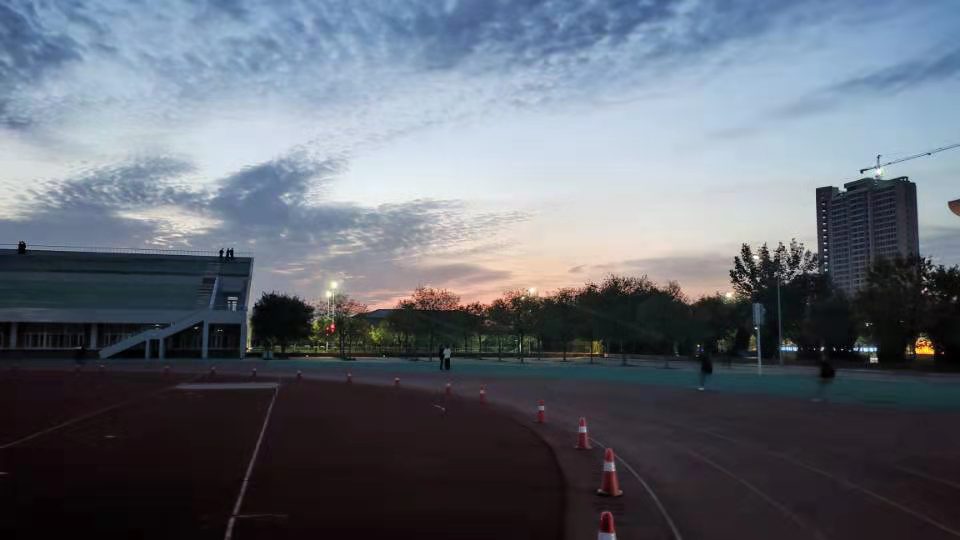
[{"x": 878, "y": 168}]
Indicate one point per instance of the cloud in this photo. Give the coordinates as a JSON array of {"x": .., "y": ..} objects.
[
  {"x": 894, "y": 79},
  {"x": 169, "y": 61},
  {"x": 942, "y": 244},
  {"x": 576, "y": 269},
  {"x": 145, "y": 202}
]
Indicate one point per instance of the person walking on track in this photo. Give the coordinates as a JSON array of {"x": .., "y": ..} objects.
[
  {"x": 447, "y": 354},
  {"x": 827, "y": 374},
  {"x": 440, "y": 356},
  {"x": 706, "y": 369}
]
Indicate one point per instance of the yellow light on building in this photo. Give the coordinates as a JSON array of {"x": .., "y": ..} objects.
[{"x": 923, "y": 347}]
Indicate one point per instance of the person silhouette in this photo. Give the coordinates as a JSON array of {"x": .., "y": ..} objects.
[{"x": 221, "y": 254}]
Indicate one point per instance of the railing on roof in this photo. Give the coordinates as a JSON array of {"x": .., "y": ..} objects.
[{"x": 140, "y": 251}]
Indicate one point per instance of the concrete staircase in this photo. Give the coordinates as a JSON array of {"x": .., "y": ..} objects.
[{"x": 196, "y": 317}]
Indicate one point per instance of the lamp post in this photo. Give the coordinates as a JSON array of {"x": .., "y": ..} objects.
[{"x": 756, "y": 258}]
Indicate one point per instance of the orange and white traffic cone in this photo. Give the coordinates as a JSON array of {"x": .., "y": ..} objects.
[
  {"x": 607, "y": 529},
  {"x": 583, "y": 440},
  {"x": 609, "y": 485},
  {"x": 449, "y": 390},
  {"x": 349, "y": 377},
  {"x": 396, "y": 382},
  {"x": 541, "y": 412},
  {"x": 483, "y": 393}
]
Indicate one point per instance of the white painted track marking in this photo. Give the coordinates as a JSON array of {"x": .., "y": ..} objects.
[
  {"x": 228, "y": 386},
  {"x": 926, "y": 476},
  {"x": 649, "y": 490},
  {"x": 755, "y": 490},
  {"x": 253, "y": 460},
  {"x": 842, "y": 481},
  {"x": 81, "y": 418}
]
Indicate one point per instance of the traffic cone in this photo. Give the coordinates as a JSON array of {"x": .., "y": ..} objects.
[
  {"x": 253, "y": 373},
  {"x": 166, "y": 370},
  {"x": 583, "y": 440},
  {"x": 483, "y": 393},
  {"x": 541, "y": 412},
  {"x": 349, "y": 377},
  {"x": 213, "y": 370},
  {"x": 609, "y": 486},
  {"x": 299, "y": 375},
  {"x": 607, "y": 529},
  {"x": 449, "y": 390},
  {"x": 396, "y": 382}
]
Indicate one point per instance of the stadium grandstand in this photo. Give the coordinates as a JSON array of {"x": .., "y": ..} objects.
[{"x": 122, "y": 302}]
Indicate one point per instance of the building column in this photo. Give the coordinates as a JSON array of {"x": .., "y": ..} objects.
[
  {"x": 146, "y": 348},
  {"x": 243, "y": 339},
  {"x": 13, "y": 335},
  {"x": 205, "y": 343},
  {"x": 93, "y": 335},
  {"x": 162, "y": 344}
]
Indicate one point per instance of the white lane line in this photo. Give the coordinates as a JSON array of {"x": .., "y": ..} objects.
[
  {"x": 649, "y": 490},
  {"x": 842, "y": 481},
  {"x": 755, "y": 490},
  {"x": 253, "y": 460},
  {"x": 926, "y": 476},
  {"x": 81, "y": 418}
]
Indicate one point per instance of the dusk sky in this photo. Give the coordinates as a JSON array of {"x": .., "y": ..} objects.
[{"x": 474, "y": 145}]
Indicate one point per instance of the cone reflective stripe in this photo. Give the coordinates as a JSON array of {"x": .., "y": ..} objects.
[
  {"x": 449, "y": 390},
  {"x": 483, "y": 394},
  {"x": 607, "y": 529},
  {"x": 583, "y": 439},
  {"x": 609, "y": 485},
  {"x": 541, "y": 412},
  {"x": 396, "y": 381}
]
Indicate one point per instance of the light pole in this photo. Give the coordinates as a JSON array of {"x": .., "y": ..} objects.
[{"x": 756, "y": 258}]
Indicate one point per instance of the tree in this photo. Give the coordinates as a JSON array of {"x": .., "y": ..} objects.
[
  {"x": 560, "y": 314},
  {"x": 521, "y": 309},
  {"x": 829, "y": 323},
  {"x": 470, "y": 321},
  {"x": 434, "y": 307},
  {"x": 499, "y": 318},
  {"x": 892, "y": 303},
  {"x": 403, "y": 321},
  {"x": 756, "y": 276},
  {"x": 942, "y": 322},
  {"x": 341, "y": 311},
  {"x": 281, "y": 319},
  {"x": 714, "y": 320}
]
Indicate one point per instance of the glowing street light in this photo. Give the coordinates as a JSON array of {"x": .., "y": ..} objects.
[{"x": 334, "y": 284}]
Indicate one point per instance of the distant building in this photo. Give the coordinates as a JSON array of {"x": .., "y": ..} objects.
[
  {"x": 872, "y": 218},
  {"x": 122, "y": 302}
]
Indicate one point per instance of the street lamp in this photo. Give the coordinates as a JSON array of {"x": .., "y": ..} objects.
[{"x": 756, "y": 258}]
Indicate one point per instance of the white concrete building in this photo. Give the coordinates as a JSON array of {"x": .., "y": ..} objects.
[{"x": 122, "y": 302}]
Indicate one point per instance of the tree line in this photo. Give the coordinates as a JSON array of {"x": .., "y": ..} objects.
[{"x": 902, "y": 299}]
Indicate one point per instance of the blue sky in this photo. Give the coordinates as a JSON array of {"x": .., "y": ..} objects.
[{"x": 476, "y": 145}]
